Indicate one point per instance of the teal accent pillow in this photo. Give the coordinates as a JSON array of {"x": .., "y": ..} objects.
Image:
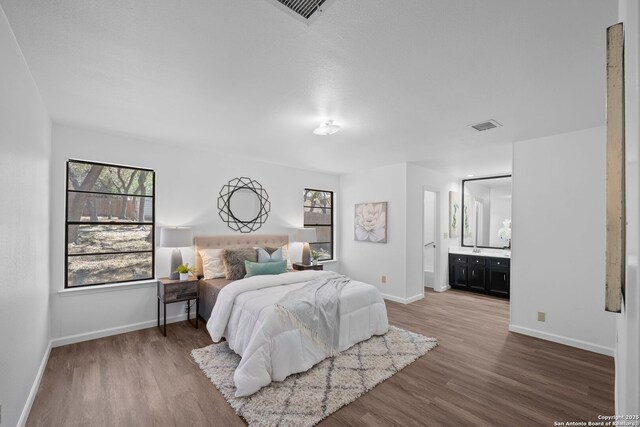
[
  {"x": 265, "y": 268},
  {"x": 269, "y": 254}
]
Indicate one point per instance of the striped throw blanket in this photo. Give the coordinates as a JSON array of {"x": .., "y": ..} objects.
[{"x": 315, "y": 310}]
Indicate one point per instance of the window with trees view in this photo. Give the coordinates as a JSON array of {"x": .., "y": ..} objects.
[
  {"x": 110, "y": 223},
  {"x": 318, "y": 214}
]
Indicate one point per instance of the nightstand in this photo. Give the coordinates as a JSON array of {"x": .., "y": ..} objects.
[
  {"x": 300, "y": 267},
  {"x": 170, "y": 291}
]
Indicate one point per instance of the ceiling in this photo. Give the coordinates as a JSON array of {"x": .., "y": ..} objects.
[{"x": 403, "y": 78}]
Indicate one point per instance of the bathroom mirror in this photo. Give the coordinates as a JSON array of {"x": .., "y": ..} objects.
[{"x": 486, "y": 212}]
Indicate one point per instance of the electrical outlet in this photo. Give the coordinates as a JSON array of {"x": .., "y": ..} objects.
[
  {"x": 541, "y": 316},
  {"x": 383, "y": 279}
]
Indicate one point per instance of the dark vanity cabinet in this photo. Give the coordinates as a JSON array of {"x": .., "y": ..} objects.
[
  {"x": 458, "y": 270},
  {"x": 479, "y": 274},
  {"x": 499, "y": 276}
]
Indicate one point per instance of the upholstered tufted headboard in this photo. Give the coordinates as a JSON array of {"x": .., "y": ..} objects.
[{"x": 235, "y": 242}]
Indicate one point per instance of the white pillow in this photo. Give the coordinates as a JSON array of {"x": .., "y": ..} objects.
[
  {"x": 264, "y": 256},
  {"x": 285, "y": 255},
  {"x": 212, "y": 266}
]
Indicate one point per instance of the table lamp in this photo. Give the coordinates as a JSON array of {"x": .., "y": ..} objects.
[
  {"x": 176, "y": 238},
  {"x": 306, "y": 236}
]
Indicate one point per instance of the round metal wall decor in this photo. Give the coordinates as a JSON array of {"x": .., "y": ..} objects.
[{"x": 243, "y": 204}]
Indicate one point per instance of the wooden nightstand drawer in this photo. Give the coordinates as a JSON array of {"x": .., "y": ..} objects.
[
  {"x": 180, "y": 291},
  {"x": 175, "y": 290},
  {"x": 300, "y": 267}
]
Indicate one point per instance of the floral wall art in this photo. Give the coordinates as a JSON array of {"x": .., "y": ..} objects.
[{"x": 370, "y": 222}]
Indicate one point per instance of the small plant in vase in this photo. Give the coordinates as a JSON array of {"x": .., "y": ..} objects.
[
  {"x": 184, "y": 270},
  {"x": 318, "y": 255}
]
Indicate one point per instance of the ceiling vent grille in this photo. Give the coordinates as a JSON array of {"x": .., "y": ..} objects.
[
  {"x": 486, "y": 125},
  {"x": 305, "y": 10}
]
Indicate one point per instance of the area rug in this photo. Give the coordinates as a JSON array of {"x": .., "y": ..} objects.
[{"x": 307, "y": 398}]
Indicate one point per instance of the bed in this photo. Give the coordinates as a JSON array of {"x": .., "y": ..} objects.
[
  {"x": 209, "y": 288},
  {"x": 271, "y": 347}
]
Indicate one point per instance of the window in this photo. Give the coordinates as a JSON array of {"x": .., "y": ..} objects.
[
  {"x": 318, "y": 214},
  {"x": 110, "y": 224}
]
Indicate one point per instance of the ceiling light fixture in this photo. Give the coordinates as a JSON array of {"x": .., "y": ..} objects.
[{"x": 326, "y": 128}]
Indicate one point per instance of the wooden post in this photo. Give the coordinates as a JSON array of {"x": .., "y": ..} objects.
[{"x": 615, "y": 255}]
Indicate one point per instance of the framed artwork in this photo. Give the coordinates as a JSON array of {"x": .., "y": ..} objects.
[
  {"x": 370, "y": 222},
  {"x": 454, "y": 214},
  {"x": 615, "y": 242}
]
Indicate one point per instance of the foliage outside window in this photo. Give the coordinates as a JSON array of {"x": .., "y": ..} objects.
[
  {"x": 318, "y": 214},
  {"x": 110, "y": 222}
]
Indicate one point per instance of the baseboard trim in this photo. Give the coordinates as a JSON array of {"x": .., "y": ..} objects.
[
  {"x": 446, "y": 288},
  {"x": 584, "y": 345},
  {"x": 414, "y": 298},
  {"x": 72, "y": 339},
  {"x": 402, "y": 300},
  {"x": 34, "y": 388}
]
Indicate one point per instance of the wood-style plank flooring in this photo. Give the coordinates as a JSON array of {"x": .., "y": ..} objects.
[{"x": 480, "y": 374}]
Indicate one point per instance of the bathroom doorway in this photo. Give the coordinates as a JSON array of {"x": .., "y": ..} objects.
[{"x": 430, "y": 241}]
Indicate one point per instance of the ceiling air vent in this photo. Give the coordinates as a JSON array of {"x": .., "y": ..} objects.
[
  {"x": 486, "y": 125},
  {"x": 305, "y": 10}
]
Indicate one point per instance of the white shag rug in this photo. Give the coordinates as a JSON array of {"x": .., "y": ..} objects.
[{"x": 307, "y": 398}]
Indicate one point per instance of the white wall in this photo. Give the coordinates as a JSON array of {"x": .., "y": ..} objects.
[
  {"x": 628, "y": 323},
  {"x": 366, "y": 261},
  {"x": 419, "y": 179},
  {"x": 25, "y": 141},
  {"x": 401, "y": 258},
  {"x": 559, "y": 240},
  {"x": 187, "y": 189}
]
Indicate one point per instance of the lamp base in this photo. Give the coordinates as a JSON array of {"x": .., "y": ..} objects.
[
  {"x": 176, "y": 260},
  {"x": 306, "y": 254}
]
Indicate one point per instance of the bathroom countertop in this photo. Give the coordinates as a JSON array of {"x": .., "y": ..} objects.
[{"x": 495, "y": 253}]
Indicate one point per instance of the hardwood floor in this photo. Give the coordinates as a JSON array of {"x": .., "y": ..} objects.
[{"x": 480, "y": 374}]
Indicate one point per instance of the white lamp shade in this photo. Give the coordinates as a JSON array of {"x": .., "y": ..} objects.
[
  {"x": 305, "y": 235},
  {"x": 176, "y": 237}
]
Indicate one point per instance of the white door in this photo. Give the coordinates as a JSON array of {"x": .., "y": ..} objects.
[{"x": 429, "y": 239}]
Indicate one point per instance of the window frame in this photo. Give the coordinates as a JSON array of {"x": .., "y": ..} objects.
[
  {"x": 332, "y": 224},
  {"x": 67, "y": 223}
]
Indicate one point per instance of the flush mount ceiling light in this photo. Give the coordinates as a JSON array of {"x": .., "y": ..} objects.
[{"x": 326, "y": 128}]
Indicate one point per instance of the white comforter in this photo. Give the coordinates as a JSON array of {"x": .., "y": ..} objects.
[{"x": 272, "y": 348}]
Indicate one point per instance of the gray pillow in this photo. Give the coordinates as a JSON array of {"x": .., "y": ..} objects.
[{"x": 234, "y": 259}]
